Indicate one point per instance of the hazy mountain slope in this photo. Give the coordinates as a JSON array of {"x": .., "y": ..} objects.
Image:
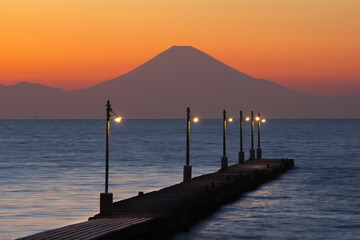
[{"x": 29, "y": 100}]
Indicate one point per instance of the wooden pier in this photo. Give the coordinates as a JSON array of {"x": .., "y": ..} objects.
[{"x": 160, "y": 214}]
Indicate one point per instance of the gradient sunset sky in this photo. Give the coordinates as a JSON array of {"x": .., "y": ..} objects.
[{"x": 306, "y": 45}]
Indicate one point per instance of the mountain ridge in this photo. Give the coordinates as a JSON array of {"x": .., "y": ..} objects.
[{"x": 183, "y": 76}]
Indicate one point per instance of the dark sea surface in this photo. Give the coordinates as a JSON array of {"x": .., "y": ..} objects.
[{"x": 48, "y": 182}]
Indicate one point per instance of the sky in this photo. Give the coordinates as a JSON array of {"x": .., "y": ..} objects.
[{"x": 306, "y": 45}]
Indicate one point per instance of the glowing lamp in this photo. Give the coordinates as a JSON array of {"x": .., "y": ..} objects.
[
  {"x": 247, "y": 119},
  {"x": 118, "y": 119},
  {"x": 231, "y": 119},
  {"x": 196, "y": 119}
]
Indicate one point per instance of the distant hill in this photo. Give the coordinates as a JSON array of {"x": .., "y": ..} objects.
[
  {"x": 29, "y": 100},
  {"x": 164, "y": 86}
]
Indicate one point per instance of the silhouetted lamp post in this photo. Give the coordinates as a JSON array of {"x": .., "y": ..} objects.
[
  {"x": 106, "y": 198},
  {"x": 252, "y": 150},
  {"x": 187, "y": 166},
  {"x": 258, "y": 150},
  {"x": 241, "y": 152},
  {"x": 224, "y": 159}
]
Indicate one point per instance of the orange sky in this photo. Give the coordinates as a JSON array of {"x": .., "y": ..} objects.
[{"x": 307, "y": 45}]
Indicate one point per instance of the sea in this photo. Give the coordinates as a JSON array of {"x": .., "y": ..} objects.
[{"x": 52, "y": 173}]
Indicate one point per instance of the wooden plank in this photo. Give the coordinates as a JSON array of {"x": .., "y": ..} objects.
[{"x": 87, "y": 230}]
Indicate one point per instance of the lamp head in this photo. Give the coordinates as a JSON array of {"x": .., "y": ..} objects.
[
  {"x": 263, "y": 120},
  {"x": 230, "y": 119},
  {"x": 195, "y": 119},
  {"x": 118, "y": 119},
  {"x": 247, "y": 119}
]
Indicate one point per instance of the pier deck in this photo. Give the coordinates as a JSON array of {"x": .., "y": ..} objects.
[{"x": 161, "y": 213}]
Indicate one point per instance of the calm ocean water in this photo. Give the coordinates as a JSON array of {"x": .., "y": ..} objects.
[{"x": 50, "y": 182}]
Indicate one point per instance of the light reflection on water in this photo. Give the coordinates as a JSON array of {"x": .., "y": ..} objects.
[{"x": 48, "y": 183}]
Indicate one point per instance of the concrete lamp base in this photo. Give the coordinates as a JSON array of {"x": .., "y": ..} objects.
[
  {"x": 258, "y": 153},
  {"x": 252, "y": 154},
  {"x": 241, "y": 157},
  {"x": 224, "y": 163},
  {"x": 106, "y": 204},
  {"x": 187, "y": 173}
]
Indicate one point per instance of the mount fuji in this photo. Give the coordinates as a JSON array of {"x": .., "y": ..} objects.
[{"x": 163, "y": 87}]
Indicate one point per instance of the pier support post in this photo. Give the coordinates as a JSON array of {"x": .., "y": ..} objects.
[
  {"x": 187, "y": 173},
  {"x": 224, "y": 163},
  {"x": 241, "y": 157},
  {"x": 106, "y": 204},
  {"x": 252, "y": 154},
  {"x": 258, "y": 153}
]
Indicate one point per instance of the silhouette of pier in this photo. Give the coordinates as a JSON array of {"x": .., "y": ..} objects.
[{"x": 160, "y": 214}]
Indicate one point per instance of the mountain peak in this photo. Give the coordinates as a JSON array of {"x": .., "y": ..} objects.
[
  {"x": 182, "y": 48},
  {"x": 179, "y": 65},
  {"x": 182, "y": 52}
]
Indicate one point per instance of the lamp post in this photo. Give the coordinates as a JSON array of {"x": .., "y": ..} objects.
[
  {"x": 224, "y": 159},
  {"x": 187, "y": 166},
  {"x": 241, "y": 153},
  {"x": 258, "y": 150},
  {"x": 252, "y": 150},
  {"x": 106, "y": 198}
]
